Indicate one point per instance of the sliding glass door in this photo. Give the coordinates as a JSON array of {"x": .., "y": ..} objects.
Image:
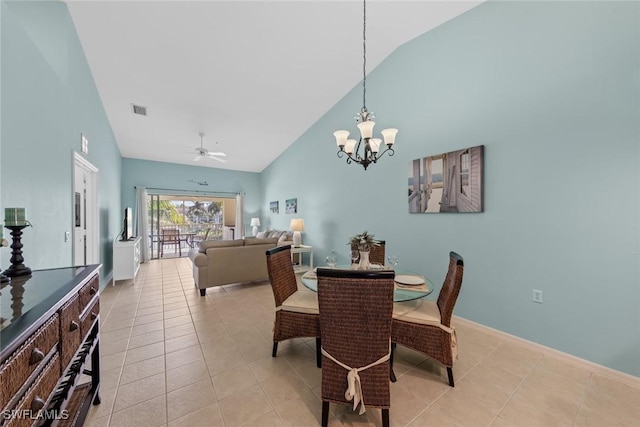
[{"x": 178, "y": 223}]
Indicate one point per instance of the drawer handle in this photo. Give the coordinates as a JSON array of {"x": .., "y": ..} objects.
[
  {"x": 74, "y": 325},
  {"x": 94, "y": 315},
  {"x": 92, "y": 291},
  {"x": 37, "y": 404},
  {"x": 36, "y": 356}
]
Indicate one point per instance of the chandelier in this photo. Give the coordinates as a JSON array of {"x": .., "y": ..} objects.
[{"x": 367, "y": 149}]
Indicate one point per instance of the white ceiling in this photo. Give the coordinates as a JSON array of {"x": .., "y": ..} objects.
[{"x": 252, "y": 75}]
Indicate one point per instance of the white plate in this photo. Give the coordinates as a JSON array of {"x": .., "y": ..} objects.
[
  {"x": 409, "y": 280},
  {"x": 375, "y": 267}
]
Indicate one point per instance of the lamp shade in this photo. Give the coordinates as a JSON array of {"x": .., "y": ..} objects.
[
  {"x": 389, "y": 136},
  {"x": 374, "y": 143},
  {"x": 341, "y": 137},
  {"x": 296, "y": 224},
  {"x": 255, "y": 222},
  {"x": 366, "y": 128}
]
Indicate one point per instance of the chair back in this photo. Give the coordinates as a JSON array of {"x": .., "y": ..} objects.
[
  {"x": 281, "y": 274},
  {"x": 206, "y": 234},
  {"x": 376, "y": 254},
  {"x": 450, "y": 288},
  {"x": 170, "y": 234},
  {"x": 355, "y": 329}
]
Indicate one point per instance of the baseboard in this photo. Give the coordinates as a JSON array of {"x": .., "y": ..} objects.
[
  {"x": 595, "y": 368},
  {"x": 108, "y": 280}
]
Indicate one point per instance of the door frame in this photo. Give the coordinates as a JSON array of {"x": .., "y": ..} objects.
[{"x": 92, "y": 213}]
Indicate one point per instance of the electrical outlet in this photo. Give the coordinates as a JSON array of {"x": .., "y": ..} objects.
[
  {"x": 67, "y": 236},
  {"x": 537, "y": 296}
]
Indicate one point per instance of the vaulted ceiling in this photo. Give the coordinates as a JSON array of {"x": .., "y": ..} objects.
[{"x": 251, "y": 75}]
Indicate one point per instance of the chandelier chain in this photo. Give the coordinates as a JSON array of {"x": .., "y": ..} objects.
[{"x": 364, "y": 57}]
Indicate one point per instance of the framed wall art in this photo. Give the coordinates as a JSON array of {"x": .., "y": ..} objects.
[
  {"x": 274, "y": 207},
  {"x": 448, "y": 182},
  {"x": 291, "y": 206}
]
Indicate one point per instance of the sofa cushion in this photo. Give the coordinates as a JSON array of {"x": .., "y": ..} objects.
[
  {"x": 206, "y": 244},
  {"x": 255, "y": 241},
  {"x": 275, "y": 233},
  {"x": 261, "y": 235}
]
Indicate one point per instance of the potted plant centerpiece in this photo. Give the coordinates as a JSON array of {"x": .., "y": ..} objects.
[{"x": 364, "y": 242}]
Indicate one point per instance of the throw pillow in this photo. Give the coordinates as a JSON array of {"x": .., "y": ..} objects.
[{"x": 261, "y": 235}]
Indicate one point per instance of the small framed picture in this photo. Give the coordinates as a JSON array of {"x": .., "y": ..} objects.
[
  {"x": 291, "y": 206},
  {"x": 273, "y": 206}
]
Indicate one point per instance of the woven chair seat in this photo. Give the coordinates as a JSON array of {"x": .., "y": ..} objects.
[
  {"x": 301, "y": 301},
  {"x": 420, "y": 311}
]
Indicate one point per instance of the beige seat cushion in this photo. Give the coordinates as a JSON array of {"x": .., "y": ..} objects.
[
  {"x": 421, "y": 311},
  {"x": 302, "y": 301}
]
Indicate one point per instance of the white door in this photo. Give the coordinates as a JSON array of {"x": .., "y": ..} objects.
[{"x": 85, "y": 212}]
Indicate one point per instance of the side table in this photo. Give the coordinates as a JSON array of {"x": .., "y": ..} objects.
[{"x": 302, "y": 249}]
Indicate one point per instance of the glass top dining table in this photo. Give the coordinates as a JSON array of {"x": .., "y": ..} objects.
[{"x": 402, "y": 292}]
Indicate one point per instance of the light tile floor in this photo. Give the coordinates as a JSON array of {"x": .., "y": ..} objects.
[{"x": 172, "y": 358}]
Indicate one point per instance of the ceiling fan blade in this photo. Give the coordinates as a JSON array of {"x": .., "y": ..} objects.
[
  {"x": 218, "y": 159},
  {"x": 197, "y": 158},
  {"x": 216, "y": 153}
]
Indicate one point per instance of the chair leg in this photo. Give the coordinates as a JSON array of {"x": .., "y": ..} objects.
[
  {"x": 325, "y": 414},
  {"x": 392, "y": 375},
  {"x": 385, "y": 417},
  {"x": 318, "y": 353},
  {"x": 203, "y": 292},
  {"x": 450, "y": 374},
  {"x": 275, "y": 349}
]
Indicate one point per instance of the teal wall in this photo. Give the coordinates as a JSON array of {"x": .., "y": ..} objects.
[
  {"x": 552, "y": 91},
  {"x": 49, "y": 98},
  {"x": 174, "y": 176}
]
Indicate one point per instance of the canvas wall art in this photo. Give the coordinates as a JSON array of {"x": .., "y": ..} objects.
[
  {"x": 274, "y": 207},
  {"x": 448, "y": 182},
  {"x": 291, "y": 206}
]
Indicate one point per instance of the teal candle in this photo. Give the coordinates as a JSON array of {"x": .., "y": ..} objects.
[{"x": 15, "y": 216}]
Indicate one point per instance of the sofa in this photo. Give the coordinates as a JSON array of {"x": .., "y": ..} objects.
[{"x": 223, "y": 262}]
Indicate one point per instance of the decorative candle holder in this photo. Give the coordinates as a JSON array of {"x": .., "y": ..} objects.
[
  {"x": 17, "y": 267},
  {"x": 3, "y": 279}
]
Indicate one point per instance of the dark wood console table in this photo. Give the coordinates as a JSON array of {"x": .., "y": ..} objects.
[{"x": 49, "y": 347}]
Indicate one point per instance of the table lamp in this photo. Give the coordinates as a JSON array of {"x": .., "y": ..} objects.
[
  {"x": 296, "y": 225},
  {"x": 255, "y": 223}
]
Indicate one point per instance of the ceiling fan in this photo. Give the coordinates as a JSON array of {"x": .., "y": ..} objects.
[{"x": 202, "y": 152}]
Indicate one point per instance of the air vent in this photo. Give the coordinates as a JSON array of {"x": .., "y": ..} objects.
[{"x": 139, "y": 109}]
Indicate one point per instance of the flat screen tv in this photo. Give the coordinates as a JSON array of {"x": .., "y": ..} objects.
[{"x": 127, "y": 229}]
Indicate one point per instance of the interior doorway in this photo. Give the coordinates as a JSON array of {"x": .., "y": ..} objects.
[{"x": 84, "y": 203}]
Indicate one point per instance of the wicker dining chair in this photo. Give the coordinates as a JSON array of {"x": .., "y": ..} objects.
[
  {"x": 376, "y": 254},
  {"x": 425, "y": 326},
  {"x": 296, "y": 310},
  {"x": 355, "y": 331}
]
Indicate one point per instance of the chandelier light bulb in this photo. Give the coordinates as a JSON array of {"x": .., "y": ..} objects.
[
  {"x": 351, "y": 143},
  {"x": 341, "y": 137},
  {"x": 389, "y": 136},
  {"x": 366, "y": 129},
  {"x": 374, "y": 143}
]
